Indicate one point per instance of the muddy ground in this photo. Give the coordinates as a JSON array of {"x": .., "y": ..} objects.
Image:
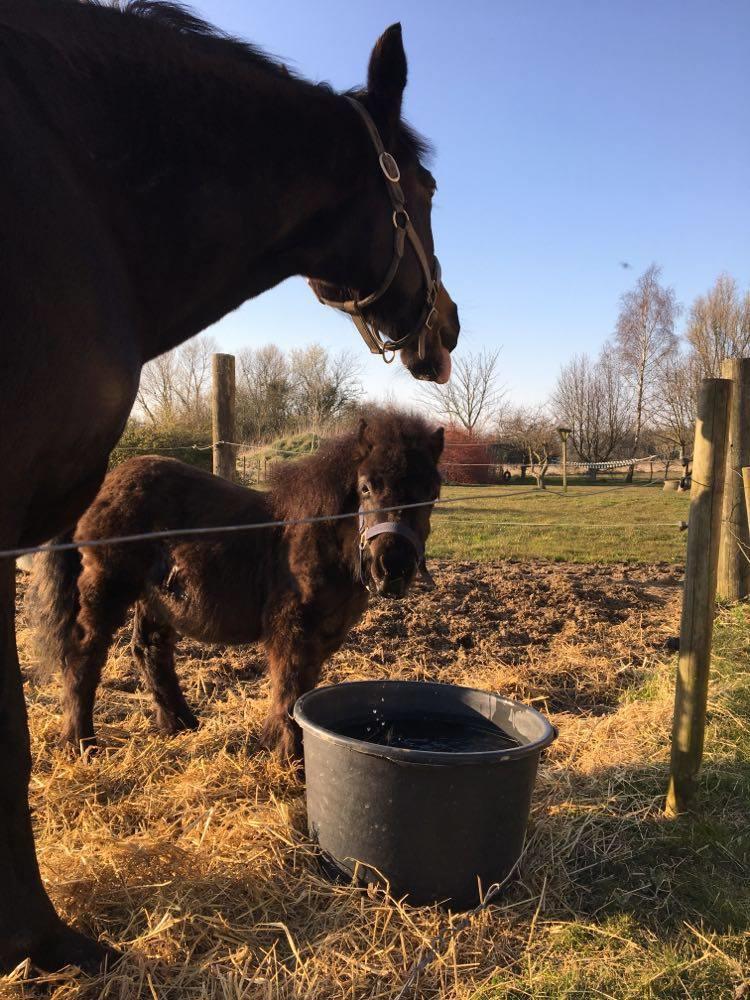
[{"x": 565, "y": 637}]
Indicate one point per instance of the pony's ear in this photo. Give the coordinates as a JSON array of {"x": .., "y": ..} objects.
[
  {"x": 364, "y": 442},
  {"x": 386, "y": 74},
  {"x": 437, "y": 443}
]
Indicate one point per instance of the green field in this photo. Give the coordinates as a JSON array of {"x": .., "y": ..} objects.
[{"x": 592, "y": 523}]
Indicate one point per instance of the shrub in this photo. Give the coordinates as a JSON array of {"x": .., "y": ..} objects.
[
  {"x": 175, "y": 442},
  {"x": 467, "y": 459}
]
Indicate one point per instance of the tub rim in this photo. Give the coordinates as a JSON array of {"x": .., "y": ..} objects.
[{"x": 421, "y": 757}]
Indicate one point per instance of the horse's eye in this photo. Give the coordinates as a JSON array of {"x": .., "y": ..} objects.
[{"x": 364, "y": 489}]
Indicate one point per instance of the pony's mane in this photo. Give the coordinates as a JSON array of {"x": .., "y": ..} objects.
[
  {"x": 324, "y": 483},
  {"x": 96, "y": 20}
]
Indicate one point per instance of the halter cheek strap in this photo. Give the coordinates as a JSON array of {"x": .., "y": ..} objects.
[{"x": 403, "y": 230}]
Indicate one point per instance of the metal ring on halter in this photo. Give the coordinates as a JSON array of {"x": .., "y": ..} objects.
[
  {"x": 389, "y": 167},
  {"x": 401, "y": 218}
]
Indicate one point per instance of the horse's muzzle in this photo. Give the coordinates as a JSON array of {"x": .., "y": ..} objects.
[{"x": 434, "y": 363}]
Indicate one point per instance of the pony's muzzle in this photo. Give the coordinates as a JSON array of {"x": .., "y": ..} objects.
[{"x": 393, "y": 571}]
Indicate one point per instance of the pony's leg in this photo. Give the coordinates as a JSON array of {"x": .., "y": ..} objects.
[
  {"x": 294, "y": 665},
  {"x": 104, "y": 602},
  {"x": 153, "y": 646},
  {"x": 29, "y": 926}
]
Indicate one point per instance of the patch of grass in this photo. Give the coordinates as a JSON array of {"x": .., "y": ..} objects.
[{"x": 589, "y": 524}]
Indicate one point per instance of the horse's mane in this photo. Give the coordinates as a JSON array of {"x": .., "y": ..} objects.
[
  {"x": 89, "y": 27},
  {"x": 76, "y": 27},
  {"x": 324, "y": 483},
  {"x": 182, "y": 20}
]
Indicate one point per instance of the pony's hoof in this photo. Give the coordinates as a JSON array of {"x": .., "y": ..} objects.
[
  {"x": 284, "y": 737},
  {"x": 66, "y": 946},
  {"x": 172, "y": 723}
]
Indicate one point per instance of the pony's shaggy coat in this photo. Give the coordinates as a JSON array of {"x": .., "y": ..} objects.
[{"x": 298, "y": 589}]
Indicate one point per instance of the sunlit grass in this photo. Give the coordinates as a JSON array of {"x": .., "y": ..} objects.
[{"x": 590, "y": 523}]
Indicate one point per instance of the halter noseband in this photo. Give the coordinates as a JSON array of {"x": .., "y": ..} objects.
[
  {"x": 403, "y": 229},
  {"x": 391, "y": 528}
]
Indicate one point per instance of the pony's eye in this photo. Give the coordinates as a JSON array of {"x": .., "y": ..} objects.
[{"x": 364, "y": 489}]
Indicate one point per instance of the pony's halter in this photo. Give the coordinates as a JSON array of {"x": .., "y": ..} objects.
[
  {"x": 403, "y": 229},
  {"x": 390, "y": 528}
]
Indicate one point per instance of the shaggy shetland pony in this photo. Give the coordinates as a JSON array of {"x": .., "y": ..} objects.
[{"x": 297, "y": 589}]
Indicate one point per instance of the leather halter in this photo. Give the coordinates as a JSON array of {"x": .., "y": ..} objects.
[
  {"x": 391, "y": 528},
  {"x": 403, "y": 230}
]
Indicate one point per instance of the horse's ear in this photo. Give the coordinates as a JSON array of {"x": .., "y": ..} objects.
[
  {"x": 363, "y": 440},
  {"x": 386, "y": 75},
  {"x": 437, "y": 443}
]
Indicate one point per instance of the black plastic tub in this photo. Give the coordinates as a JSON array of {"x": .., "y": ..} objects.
[{"x": 435, "y": 824}]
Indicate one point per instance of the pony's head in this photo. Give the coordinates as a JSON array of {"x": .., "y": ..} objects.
[
  {"x": 384, "y": 271},
  {"x": 397, "y": 465}
]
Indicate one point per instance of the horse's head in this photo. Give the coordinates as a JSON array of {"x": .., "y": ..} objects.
[
  {"x": 397, "y": 466},
  {"x": 383, "y": 271}
]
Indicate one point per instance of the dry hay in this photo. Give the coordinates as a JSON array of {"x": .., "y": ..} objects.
[{"x": 191, "y": 856}]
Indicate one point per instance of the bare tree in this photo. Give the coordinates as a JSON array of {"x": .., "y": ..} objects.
[
  {"x": 719, "y": 325},
  {"x": 531, "y": 430},
  {"x": 264, "y": 393},
  {"x": 325, "y": 386},
  {"x": 677, "y": 405},
  {"x": 174, "y": 388},
  {"x": 645, "y": 339},
  {"x": 156, "y": 390},
  {"x": 472, "y": 399},
  {"x": 593, "y": 400}
]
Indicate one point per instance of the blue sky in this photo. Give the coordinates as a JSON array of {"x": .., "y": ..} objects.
[{"x": 570, "y": 135}]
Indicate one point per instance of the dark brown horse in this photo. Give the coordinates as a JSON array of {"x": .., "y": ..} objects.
[
  {"x": 153, "y": 176},
  {"x": 298, "y": 589}
]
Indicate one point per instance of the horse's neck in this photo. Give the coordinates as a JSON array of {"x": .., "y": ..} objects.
[{"x": 218, "y": 187}]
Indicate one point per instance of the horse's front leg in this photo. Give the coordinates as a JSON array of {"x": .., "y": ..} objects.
[
  {"x": 294, "y": 665},
  {"x": 29, "y": 926}
]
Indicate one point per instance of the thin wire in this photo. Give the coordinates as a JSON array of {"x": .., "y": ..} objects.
[
  {"x": 226, "y": 529},
  {"x": 588, "y": 526},
  {"x": 600, "y": 492}
]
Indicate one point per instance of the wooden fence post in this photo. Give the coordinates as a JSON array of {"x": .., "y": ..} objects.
[
  {"x": 696, "y": 629},
  {"x": 222, "y": 416},
  {"x": 746, "y": 486},
  {"x": 734, "y": 570}
]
